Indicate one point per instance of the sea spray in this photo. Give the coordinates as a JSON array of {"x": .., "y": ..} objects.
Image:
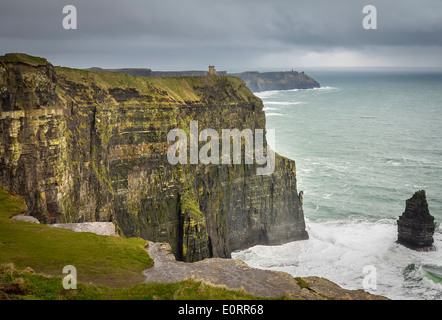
[{"x": 362, "y": 144}]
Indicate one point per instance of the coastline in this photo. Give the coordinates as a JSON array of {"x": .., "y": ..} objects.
[{"x": 236, "y": 274}]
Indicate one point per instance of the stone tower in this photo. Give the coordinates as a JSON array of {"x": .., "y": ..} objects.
[{"x": 212, "y": 71}]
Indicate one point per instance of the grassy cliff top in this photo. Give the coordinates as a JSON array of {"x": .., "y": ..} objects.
[
  {"x": 102, "y": 259},
  {"x": 224, "y": 89},
  {"x": 24, "y": 58},
  {"x": 82, "y": 85},
  {"x": 32, "y": 256}
]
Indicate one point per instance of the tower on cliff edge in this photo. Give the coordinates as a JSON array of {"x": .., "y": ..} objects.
[{"x": 212, "y": 71}]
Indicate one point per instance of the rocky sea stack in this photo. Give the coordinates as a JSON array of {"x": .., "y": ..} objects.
[{"x": 416, "y": 225}]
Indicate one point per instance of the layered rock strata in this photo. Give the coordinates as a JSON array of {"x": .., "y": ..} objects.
[
  {"x": 416, "y": 224},
  {"x": 84, "y": 146}
]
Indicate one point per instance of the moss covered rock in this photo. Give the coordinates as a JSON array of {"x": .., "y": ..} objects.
[{"x": 84, "y": 146}]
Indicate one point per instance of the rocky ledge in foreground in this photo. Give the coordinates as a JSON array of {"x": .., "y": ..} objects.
[
  {"x": 236, "y": 274},
  {"x": 416, "y": 225}
]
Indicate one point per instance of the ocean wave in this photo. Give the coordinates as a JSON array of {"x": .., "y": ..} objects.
[
  {"x": 273, "y": 114},
  {"x": 434, "y": 271},
  {"x": 269, "y": 93},
  {"x": 408, "y": 160},
  {"x": 394, "y": 163},
  {"x": 283, "y": 103},
  {"x": 416, "y": 186},
  {"x": 269, "y": 108},
  {"x": 266, "y": 94},
  {"x": 431, "y": 284},
  {"x": 432, "y": 276},
  {"x": 327, "y": 195},
  {"x": 339, "y": 250},
  {"x": 371, "y": 167},
  {"x": 326, "y": 88}
]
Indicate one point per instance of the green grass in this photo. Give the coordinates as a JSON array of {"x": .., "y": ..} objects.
[
  {"x": 302, "y": 283},
  {"x": 24, "y": 58},
  {"x": 167, "y": 90},
  {"x": 156, "y": 91},
  {"x": 10, "y": 205},
  {"x": 44, "y": 287},
  {"x": 108, "y": 268},
  {"x": 107, "y": 260}
]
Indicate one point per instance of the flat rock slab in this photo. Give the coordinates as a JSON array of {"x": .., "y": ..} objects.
[
  {"x": 236, "y": 274},
  {"x": 101, "y": 228},
  {"x": 25, "y": 218}
]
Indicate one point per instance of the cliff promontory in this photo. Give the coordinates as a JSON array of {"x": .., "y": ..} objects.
[
  {"x": 254, "y": 80},
  {"x": 84, "y": 146},
  {"x": 265, "y": 81}
]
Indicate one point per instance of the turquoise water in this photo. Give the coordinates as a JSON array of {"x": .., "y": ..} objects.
[{"x": 363, "y": 143}]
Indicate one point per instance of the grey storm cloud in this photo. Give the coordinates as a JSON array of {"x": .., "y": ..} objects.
[{"x": 193, "y": 33}]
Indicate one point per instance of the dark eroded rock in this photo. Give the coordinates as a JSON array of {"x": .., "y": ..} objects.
[
  {"x": 416, "y": 225},
  {"x": 84, "y": 146}
]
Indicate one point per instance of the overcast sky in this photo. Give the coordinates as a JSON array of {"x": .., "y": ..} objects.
[{"x": 233, "y": 35}]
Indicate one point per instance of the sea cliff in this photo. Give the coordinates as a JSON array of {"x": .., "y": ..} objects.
[
  {"x": 288, "y": 80},
  {"x": 254, "y": 80},
  {"x": 84, "y": 146}
]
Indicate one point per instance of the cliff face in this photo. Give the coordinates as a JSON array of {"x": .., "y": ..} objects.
[{"x": 84, "y": 146}]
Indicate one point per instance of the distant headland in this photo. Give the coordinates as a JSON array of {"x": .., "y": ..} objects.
[
  {"x": 286, "y": 80},
  {"x": 255, "y": 81}
]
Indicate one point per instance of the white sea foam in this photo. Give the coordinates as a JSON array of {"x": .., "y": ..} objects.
[
  {"x": 266, "y": 94},
  {"x": 432, "y": 276},
  {"x": 273, "y": 114},
  {"x": 339, "y": 250},
  {"x": 362, "y": 147},
  {"x": 283, "y": 103},
  {"x": 326, "y": 88},
  {"x": 394, "y": 163},
  {"x": 270, "y": 93}
]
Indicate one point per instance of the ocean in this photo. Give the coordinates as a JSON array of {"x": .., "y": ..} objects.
[{"x": 363, "y": 143}]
